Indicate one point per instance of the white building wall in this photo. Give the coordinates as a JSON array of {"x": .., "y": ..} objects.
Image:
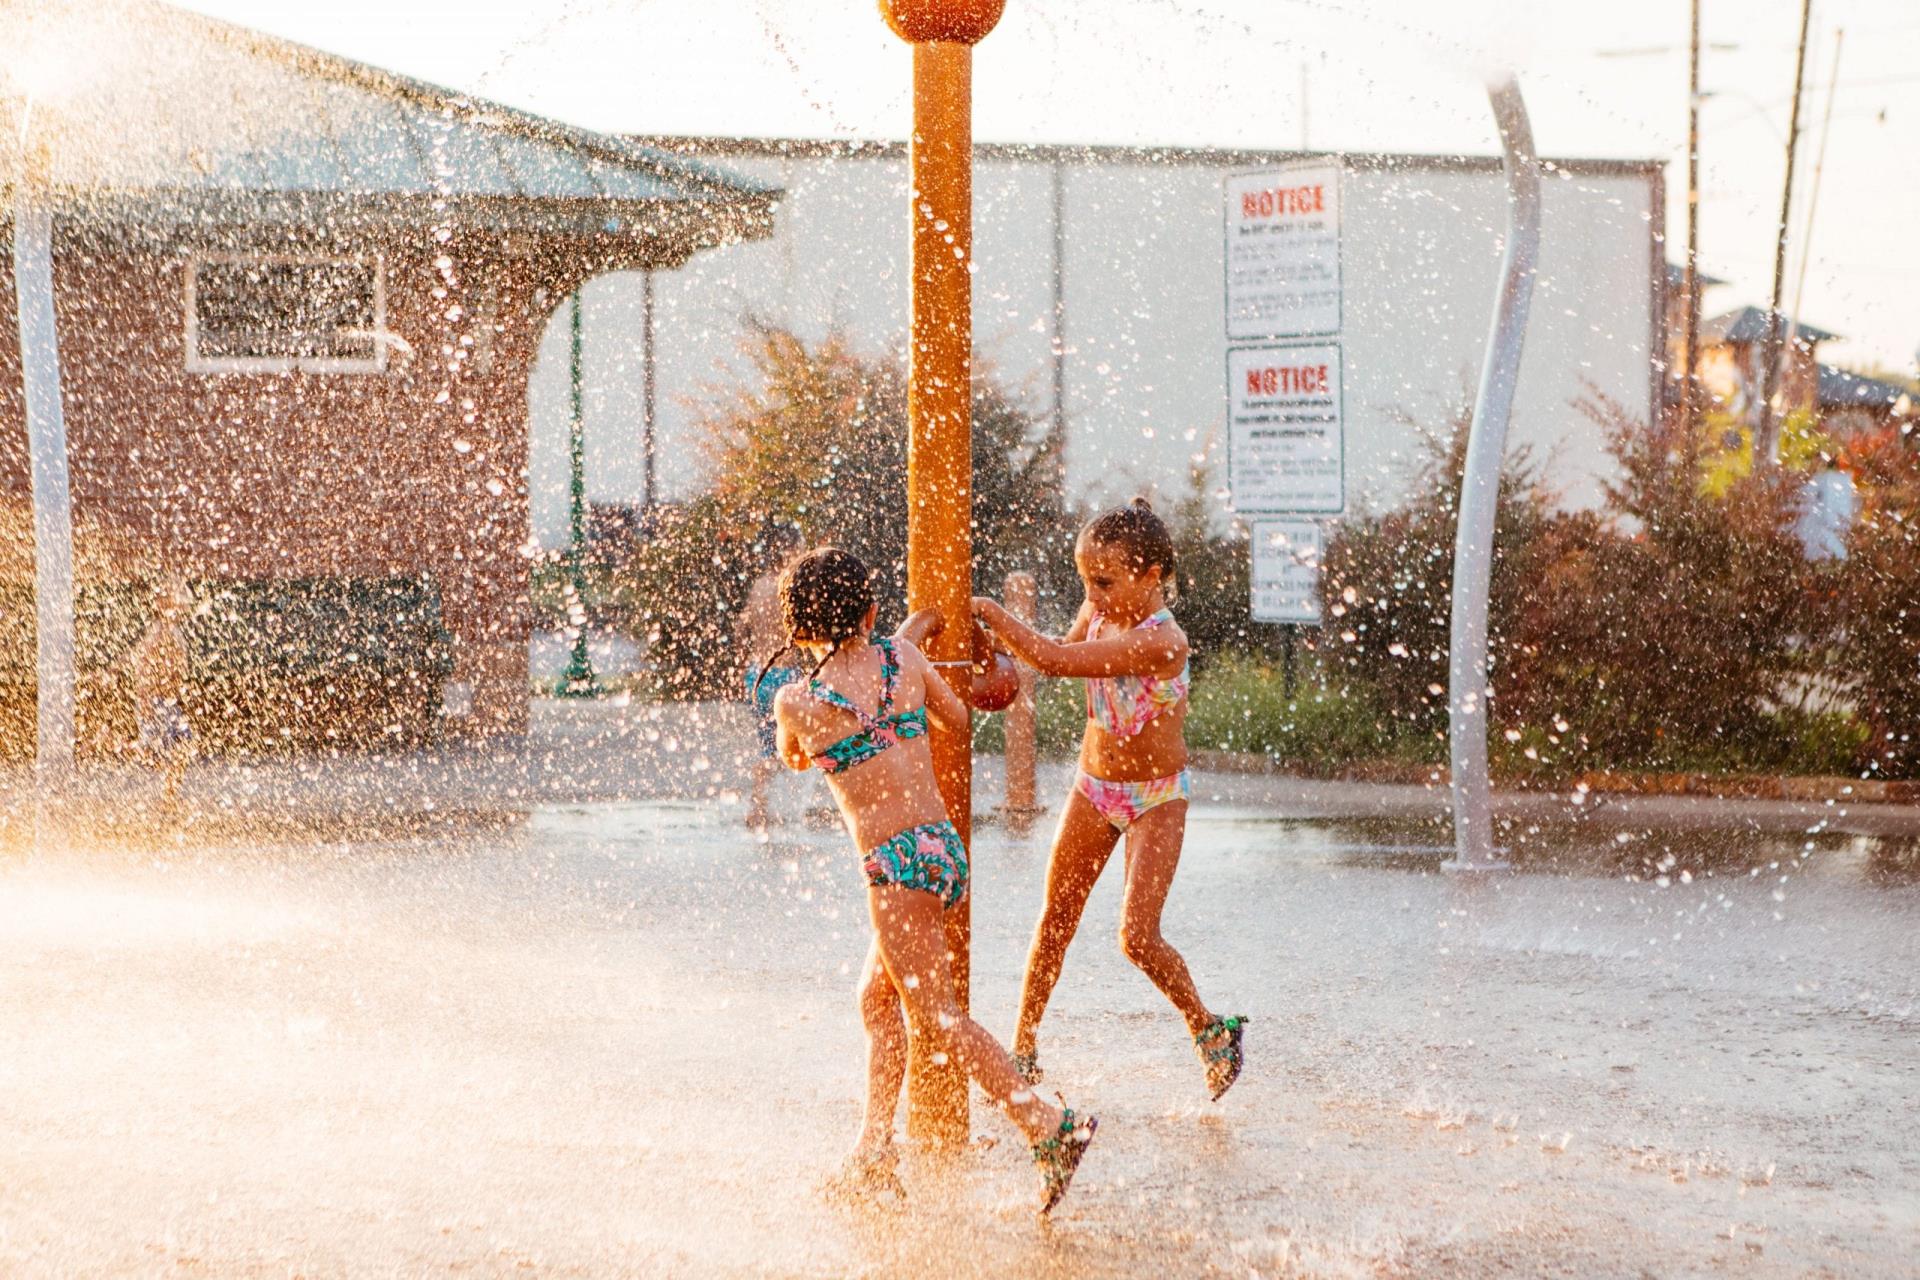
[{"x": 1142, "y": 334}]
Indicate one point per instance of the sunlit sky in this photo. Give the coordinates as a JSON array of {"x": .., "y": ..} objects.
[{"x": 1601, "y": 80}]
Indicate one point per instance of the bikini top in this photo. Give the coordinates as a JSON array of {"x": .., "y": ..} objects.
[
  {"x": 1124, "y": 705},
  {"x": 878, "y": 731}
]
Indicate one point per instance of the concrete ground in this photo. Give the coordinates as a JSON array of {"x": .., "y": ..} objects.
[{"x": 557, "y": 1014}]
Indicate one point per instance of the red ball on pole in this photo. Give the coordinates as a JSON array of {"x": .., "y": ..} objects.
[
  {"x": 942, "y": 21},
  {"x": 995, "y": 687},
  {"x": 996, "y": 682}
]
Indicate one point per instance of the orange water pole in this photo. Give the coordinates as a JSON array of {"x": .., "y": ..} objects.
[{"x": 940, "y": 435}]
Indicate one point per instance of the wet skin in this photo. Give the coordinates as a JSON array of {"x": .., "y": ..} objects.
[
  {"x": 1124, "y": 595},
  {"x": 906, "y": 980}
]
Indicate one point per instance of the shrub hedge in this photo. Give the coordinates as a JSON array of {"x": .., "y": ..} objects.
[{"x": 273, "y": 665}]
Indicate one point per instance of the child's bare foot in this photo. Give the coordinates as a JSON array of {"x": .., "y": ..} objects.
[{"x": 872, "y": 1170}]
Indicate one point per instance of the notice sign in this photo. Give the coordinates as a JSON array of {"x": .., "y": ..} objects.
[
  {"x": 1286, "y": 571},
  {"x": 1286, "y": 442},
  {"x": 1283, "y": 252}
]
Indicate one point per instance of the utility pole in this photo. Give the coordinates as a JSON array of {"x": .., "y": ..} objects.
[
  {"x": 1813, "y": 196},
  {"x": 1766, "y": 435},
  {"x": 1689, "y": 393},
  {"x": 647, "y": 384}
]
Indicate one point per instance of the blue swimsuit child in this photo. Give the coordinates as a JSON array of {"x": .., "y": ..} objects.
[{"x": 930, "y": 856}]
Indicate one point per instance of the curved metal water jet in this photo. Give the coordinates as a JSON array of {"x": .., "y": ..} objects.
[{"x": 1468, "y": 685}]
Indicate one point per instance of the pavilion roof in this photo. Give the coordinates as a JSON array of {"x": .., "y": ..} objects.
[{"x": 169, "y": 114}]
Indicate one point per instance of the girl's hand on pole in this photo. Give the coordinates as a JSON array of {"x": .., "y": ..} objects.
[{"x": 921, "y": 626}]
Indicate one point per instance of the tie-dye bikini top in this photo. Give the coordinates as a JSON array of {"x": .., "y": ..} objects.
[
  {"x": 1124, "y": 705},
  {"x": 878, "y": 731}
]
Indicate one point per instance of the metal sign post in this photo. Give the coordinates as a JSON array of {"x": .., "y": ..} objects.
[
  {"x": 1286, "y": 571},
  {"x": 1468, "y": 684},
  {"x": 1286, "y": 411}
]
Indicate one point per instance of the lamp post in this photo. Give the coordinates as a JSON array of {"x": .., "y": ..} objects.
[
  {"x": 579, "y": 680},
  {"x": 939, "y": 435}
]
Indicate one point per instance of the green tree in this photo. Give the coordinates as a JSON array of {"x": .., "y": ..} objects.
[{"x": 816, "y": 436}]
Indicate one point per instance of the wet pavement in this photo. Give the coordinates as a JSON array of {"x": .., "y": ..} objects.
[{"x": 616, "y": 1037}]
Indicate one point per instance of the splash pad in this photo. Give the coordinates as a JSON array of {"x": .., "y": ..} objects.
[{"x": 548, "y": 1010}]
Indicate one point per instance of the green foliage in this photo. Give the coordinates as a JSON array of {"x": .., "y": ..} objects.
[
  {"x": 1214, "y": 606},
  {"x": 1060, "y": 718},
  {"x": 683, "y": 591},
  {"x": 273, "y": 665},
  {"x": 819, "y": 440},
  {"x": 1387, "y": 585},
  {"x": 1655, "y": 633},
  {"x": 1877, "y": 644},
  {"x": 1726, "y": 448},
  {"x": 1332, "y": 721}
]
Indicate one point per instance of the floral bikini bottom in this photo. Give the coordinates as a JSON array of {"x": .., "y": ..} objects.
[
  {"x": 1122, "y": 803},
  {"x": 929, "y": 857}
]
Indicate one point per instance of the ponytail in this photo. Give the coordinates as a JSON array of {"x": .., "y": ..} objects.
[{"x": 760, "y": 672}]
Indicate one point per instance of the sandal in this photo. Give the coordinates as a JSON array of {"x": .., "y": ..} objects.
[
  {"x": 1027, "y": 1067},
  {"x": 1223, "y": 1061},
  {"x": 1059, "y": 1156},
  {"x": 868, "y": 1173}
]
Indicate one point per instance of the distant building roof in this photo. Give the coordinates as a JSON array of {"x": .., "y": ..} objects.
[
  {"x": 1844, "y": 389},
  {"x": 1677, "y": 278},
  {"x": 1749, "y": 324},
  {"x": 170, "y": 114}
]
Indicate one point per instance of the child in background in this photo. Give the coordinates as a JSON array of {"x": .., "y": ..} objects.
[
  {"x": 860, "y": 715},
  {"x": 1133, "y": 773},
  {"x": 158, "y": 669},
  {"x": 759, "y": 630}
]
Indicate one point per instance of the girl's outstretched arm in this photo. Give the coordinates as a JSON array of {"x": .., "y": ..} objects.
[
  {"x": 944, "y": 707},
  {"x": 1154, "y": 651}
]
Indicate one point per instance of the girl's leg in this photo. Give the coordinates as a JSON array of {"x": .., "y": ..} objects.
[
  {"x": 880, "y": 1012},
  {"x": 912, "y": 942},
  {"x": 1153, "y": 855},
  {"x": 1081, "y": 848}
]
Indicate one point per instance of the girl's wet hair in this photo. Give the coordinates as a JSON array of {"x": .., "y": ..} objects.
[
  {"x": 824, "y": 598},
  {"x": 1137, "y": 533}
]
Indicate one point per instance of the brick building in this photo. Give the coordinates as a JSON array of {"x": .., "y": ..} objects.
[{"x": 299, "y": 301}]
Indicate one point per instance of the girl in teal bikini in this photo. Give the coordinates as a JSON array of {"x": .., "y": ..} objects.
[
  {"x": 880, "y": 771},
  {"x": 1133, "y": 773}
]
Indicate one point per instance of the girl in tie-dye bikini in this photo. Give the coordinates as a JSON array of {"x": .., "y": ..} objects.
[
  {"x": 859, "y": 715},
  {"x": 1133, "y": 773}
]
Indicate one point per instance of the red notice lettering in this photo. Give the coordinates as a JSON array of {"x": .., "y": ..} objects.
[
  {"x": 1288, "y": 380},
  {"x": 1283, "y": 201}
]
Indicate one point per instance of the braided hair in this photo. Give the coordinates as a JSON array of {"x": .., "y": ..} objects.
[
  {"x": 1139, "y": 535},
  {"x": 824, "y": 598}
]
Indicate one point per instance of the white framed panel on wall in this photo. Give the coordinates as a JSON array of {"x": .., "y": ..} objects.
[
  {"x": 1282, "y": 252},
  {"x": 1286, "y": 430},
  {"x": 1286, "y": 570}
]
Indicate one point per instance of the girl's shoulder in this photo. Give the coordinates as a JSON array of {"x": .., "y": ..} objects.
[{"x": 905, "y": 651}]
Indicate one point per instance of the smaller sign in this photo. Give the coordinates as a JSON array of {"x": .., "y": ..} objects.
[
  {"x": 1283, "y": 252},
  {"x": 1286, "y": 571},
  {"x": 1286, "y": 434}
]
